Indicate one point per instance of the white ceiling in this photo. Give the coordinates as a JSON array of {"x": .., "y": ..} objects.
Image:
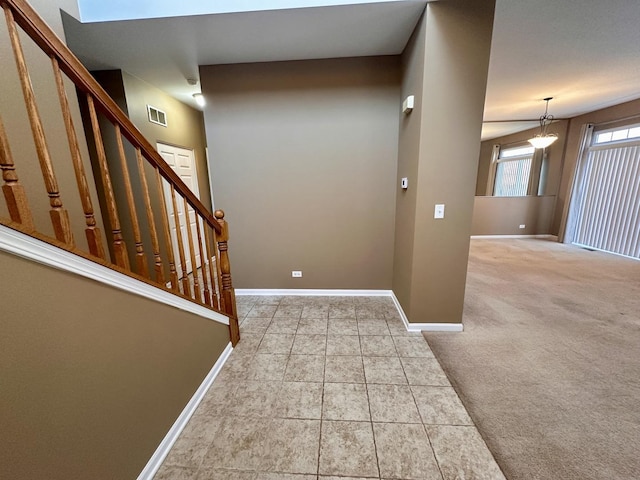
[{"x": 584, "y": 53}]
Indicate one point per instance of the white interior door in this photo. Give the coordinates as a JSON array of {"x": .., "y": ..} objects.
[{"x": 182, "y": 161}]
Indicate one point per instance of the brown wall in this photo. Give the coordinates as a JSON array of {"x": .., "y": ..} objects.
[
  {"x": 429, "y": 280},
  {"x": 303, "y": 156},
  {"x": 14, "y": 116},
  {"x": 617, "y": 112},
  {"x": 504, "y": 215},
  {"x": 92, "y": 377}
]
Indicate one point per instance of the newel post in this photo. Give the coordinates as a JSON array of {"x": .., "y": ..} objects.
[{"x": 227, "y": 292}]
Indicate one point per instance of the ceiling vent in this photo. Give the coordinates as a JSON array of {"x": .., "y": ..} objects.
[{"x": 157, "y": 116}]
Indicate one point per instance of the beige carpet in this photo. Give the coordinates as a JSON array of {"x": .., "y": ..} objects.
[{"x": 549, "y": 362}]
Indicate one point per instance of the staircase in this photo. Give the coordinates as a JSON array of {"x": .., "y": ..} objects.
[{"x": 130, "y": 230}]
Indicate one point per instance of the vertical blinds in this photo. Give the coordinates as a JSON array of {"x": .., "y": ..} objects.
[
  {"x": 512, "y": 177},
  {"x": 608, "y": 217}
]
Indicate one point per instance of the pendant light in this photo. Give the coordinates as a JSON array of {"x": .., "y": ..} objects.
[{"x": 544, "y": 139}]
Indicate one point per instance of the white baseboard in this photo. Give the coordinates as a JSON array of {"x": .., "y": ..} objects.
[
  {"x": 488, "y": 237},
  {"x": 313, "y": 292},
  {"x": 154, "y": 463},
  {"x": 41, "y": 252},
  {"x": 424, "y": 327},
  {"x": 411, "y": 327}
]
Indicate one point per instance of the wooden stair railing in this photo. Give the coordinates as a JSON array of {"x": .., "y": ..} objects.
[{"x": 205, "y": 244}]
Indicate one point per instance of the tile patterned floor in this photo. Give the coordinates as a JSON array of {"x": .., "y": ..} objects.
[{"x": 329, "y": 388}]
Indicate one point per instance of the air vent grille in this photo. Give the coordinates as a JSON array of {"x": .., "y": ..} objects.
[{"x": 157, "y": 116}]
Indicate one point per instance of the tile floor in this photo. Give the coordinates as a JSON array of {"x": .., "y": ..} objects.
[{"x": 329, "y": 388}]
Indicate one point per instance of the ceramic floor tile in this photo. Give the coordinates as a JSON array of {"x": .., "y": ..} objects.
[
  {"x": 305, "y": 368},
  {"x": 264, "y": 311},
  {"x": 255, "y": 325},
  {"x": 239, "y": 444},
  {"x": 343, "y": 326},
  {"x": 291, "y": 311},
  {"x": 202, "y": 427},
  {"x": 222, "y": 474},
  {"x": 342, "y": 311},
  {"x": 369, "y": 311},
  {"x": 324, "y": 477},
  {"x": 309, "y": 345},
  {"x": 404, "y": 452},
  {"x": 247, "y": 345},
  {"x": 175, "y": 473},
  {"x": 392, "y": 403},
  {"x": 312, "y": 326},
  {"x": 347, "y": 448},
  {"x": 343, "y": 345},
  {"x": 440, "y": 406},
  {"x": 424, "y": 371},
  {"x": 276, "y": 343},
  {"x": 269, "y": 299},
  {"x": 462, "y": 453},
  {"x": 283, "y": 325},
  {"x": 268, "y": 367},
  {"x": 344, "y": 369},
  {"x": 284, "y": 476},
  {"x": 377, "y": 346},
  {"x": 315, "y": 311},
  {"x": 373, "y": 326},
  {"x": 254, "y": 399},
  {"x": 187, "y": 452},
  {"x": 397, "y": 328},
  {"x": 412, "y": 347},
  {"x": 300, "y": 400},
  {"x": 345, "y": 401},
  {"x": 387, "y": 370},
  {"x": 292, "y": 446}
]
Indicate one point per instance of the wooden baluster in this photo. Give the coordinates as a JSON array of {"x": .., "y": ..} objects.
[
  {"x": 13, "y": 190},
  {"x": 186, "y": 288},
  {"x": 173, "y": 275},
  {"x": 228, "y": 293},
  {"x": 207, "y": 236},
  {"x": 141, "y": 259},
  {"x": 119, "y": 247},
  {"x": 203, "y": 264},
  {"x": 192, "y": 252},
  {"x": 92, "y": 232},
  {"x": 59, "y": 215},
  {"x": 159, "y": 271}
]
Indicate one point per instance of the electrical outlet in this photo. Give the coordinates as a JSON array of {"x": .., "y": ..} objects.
[
  {"x": 522, "y": 226},
  {"x": 296, "y": 273}
]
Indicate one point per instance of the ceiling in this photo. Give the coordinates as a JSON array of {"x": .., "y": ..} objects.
[{"x": 584, "y": 53}]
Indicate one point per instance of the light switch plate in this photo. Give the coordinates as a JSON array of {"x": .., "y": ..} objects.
[{"x": 439, "y": 211}]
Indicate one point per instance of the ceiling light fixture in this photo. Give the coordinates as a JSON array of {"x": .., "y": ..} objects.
[
  {"x": 199, "y": 98},
  {"x": 544, "y": 139}
]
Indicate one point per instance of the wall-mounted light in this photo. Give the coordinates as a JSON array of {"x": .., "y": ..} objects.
[
  {"x": 199, "y": 98},
  {"x": 544, "y": 139}
]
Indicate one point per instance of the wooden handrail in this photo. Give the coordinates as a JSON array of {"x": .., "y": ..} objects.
[
  {"x": 214, "y": 272},
  {"x": 48, "y": 41}
]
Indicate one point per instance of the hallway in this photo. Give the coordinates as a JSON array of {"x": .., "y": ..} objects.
[{"x": 328, "y": 388}]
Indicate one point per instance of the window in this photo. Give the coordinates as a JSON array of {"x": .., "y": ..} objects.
[
  {"x": 617, "y": 135},
  {"x": 513, "y": 170}
]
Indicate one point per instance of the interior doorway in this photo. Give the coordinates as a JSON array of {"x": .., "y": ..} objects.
[{"x": 183, "y": 162}]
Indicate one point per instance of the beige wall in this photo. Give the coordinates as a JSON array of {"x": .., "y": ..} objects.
[
  {"x": 617, "y": 112},
  {"x": 457, "y": 38},
  {"x": 303, "y": 156},
  {"x": 13, "y": 112},
  {"x": 504, "y": 215},
  {"x": 92, "y": 377}
]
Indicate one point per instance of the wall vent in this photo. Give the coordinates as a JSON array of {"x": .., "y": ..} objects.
[{"x": 157, "y": 116}]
